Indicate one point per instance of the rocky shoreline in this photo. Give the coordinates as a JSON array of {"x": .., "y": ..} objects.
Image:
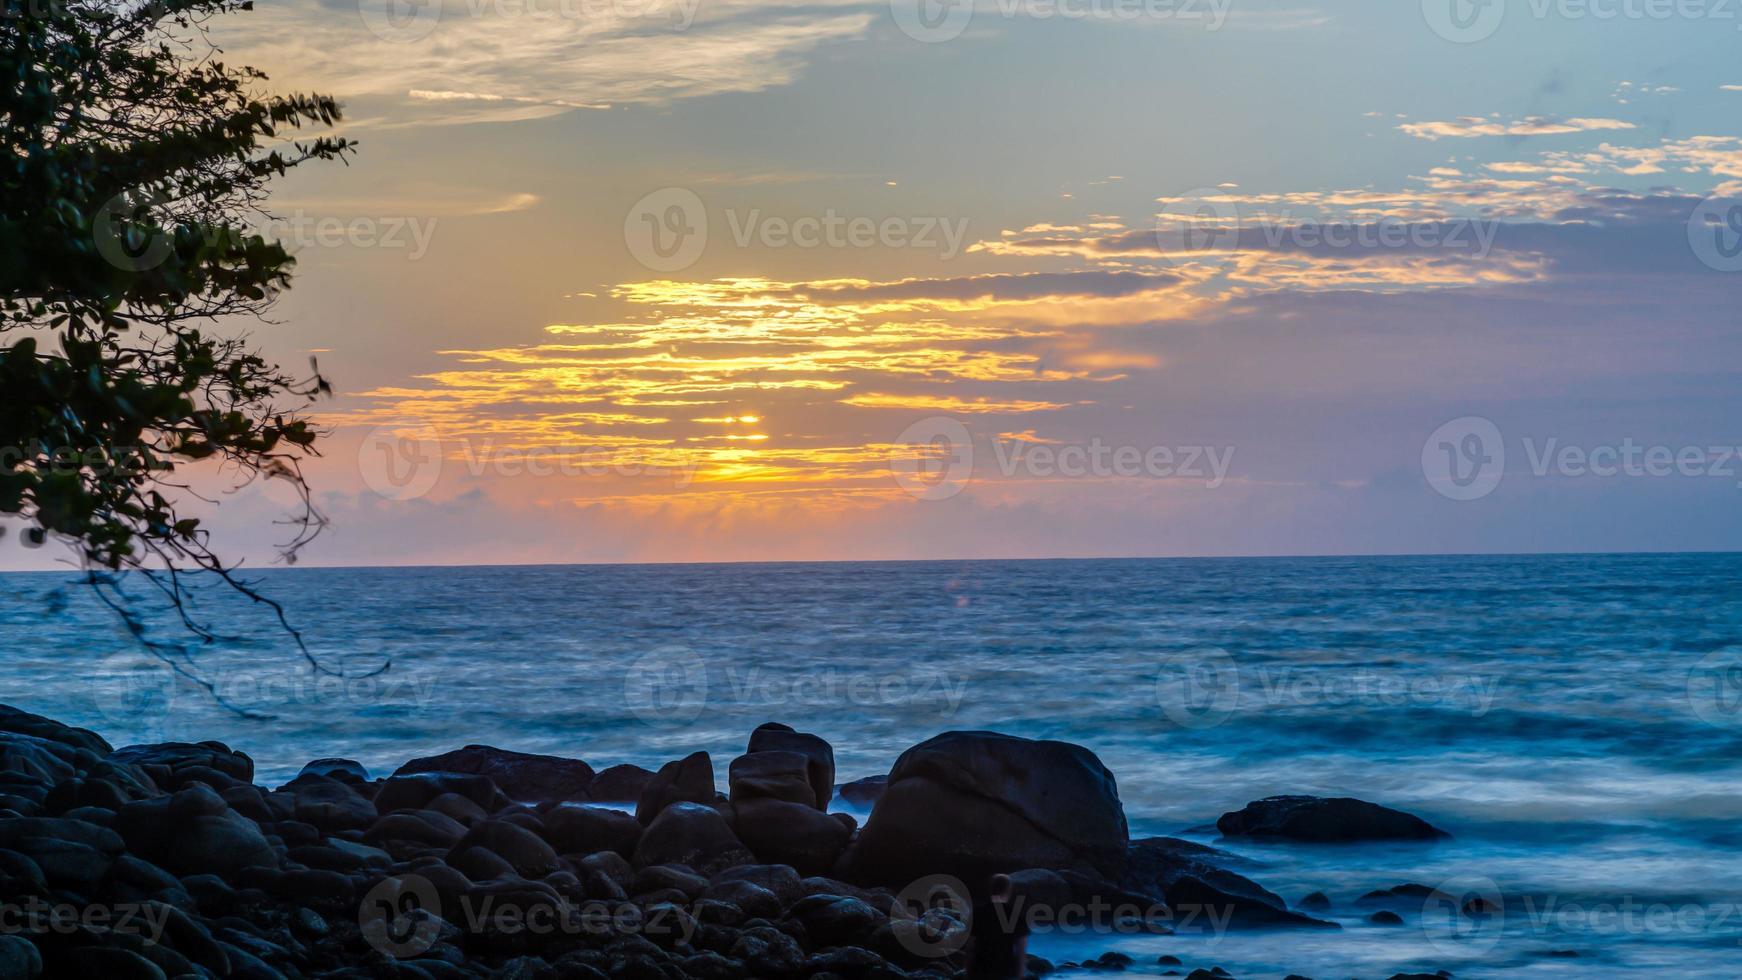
[{"x": 159, "y": 861}]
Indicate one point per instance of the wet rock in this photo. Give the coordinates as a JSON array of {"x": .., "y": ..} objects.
[
  {"x": 581, "y": 829},
  {"x": 36, "y": 726},
  {"x": 1318, "y": 820},
  {"x": 19, "y": 958},
  {"x": 976, "y": 803},
  {"x": 1316, "y": 902},
  {"x": 193, "y": 832},
  {"x": 175, "y": 756},
  {"x": 692, "y": 834},
  {"x": 863, "y": 792},
  {"x": 748, "y": 897},
  {"x": 343, "y": 770},
  {"x": 1203, "y": 896},
  {"x": 834, "y": 920},
  {"x": 668, "y": 877},
  {"x": 524, "y": 851},
  {"x": 523, "y": 776},
  {"x": 330, "y": 805},
  {"x": 781, "y": 880},
  {"x": 414, "y": 790},
  {"x": 779, "y": 832},
  {"x": 686, "y": 780},
  {"x": 771, "y": 776},
  {"x": 619, "y": 784},
  {"x": 820, "y": 755},
  {"x": 1385, "y": 917}
]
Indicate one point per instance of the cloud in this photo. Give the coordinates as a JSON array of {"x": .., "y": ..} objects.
[{"x": 1473, "y": 126}]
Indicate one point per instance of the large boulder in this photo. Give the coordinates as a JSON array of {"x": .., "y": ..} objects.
[
  {"x": 575, "y": 828},
  {"x": 1318, "y": 820},
  {"x": 330, "y": 805},
  {"x": 863, "y": 792},
  {"x": 972, "y": 804},
  {"x": 193, "y": 832},
  {"x": 687, "y": 780},
  {"x": 179, "y": 756},
  {"x": 524, "y": 851},
  {"x": 619, "y": 784},
  {"x": 413, "y": 790},
  {"x": 771, "y": 776},
  {"x": 796, "y": 834},
  {"x": 820, "y": 755},
  {"x": 694, "y": 835},
  {"x": 524, "y": 777}
]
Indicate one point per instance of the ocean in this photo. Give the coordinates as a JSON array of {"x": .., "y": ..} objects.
[{"x": 1574, "y": 721}]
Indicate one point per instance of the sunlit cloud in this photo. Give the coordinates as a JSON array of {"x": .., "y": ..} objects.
[{"x": 1473, "y": 126}]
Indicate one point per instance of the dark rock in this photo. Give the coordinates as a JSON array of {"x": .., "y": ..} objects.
[
  {"x": 412, "y": 791},
  {"x": 692, "y": 834},
  {"x": 331, "y": 805},
  {"x": 783, "y": 881},
  {"x": 687, "y": 780},
  {"x": 775, "y": 737},
  {"x": 771, "y": 776},
  {"x": 1201, "y": 894},
  {"x": 864, "y": 792},
  {"x": 523, "y": 776},
  {"x": 193, "y": 832},
  {"x": 774, "y": 952},
  {"x": 1385, "y": 917},
  {"x": 972, "y": 804},
  {"x": 18, "y": 957},
  {"x": 525, "y": 851},
  {"x": 836, "y": 920},
  {"x": 458, "y": 807},
  {"x": 36, "y": 726},
  {"x": 182, "y": 755},
  {"x": 748, "y": 897},
  {"x": 343, "y": 770},
  {"x": 668, "y": 877},
  {"x": 1316, "y": 902},
  {"x": 619, "y": 784},
  {"x": 778, "y": 832},
  {"x": 1318, "y": 820},
  {"x": 581, "y": 829},
  {"x": 108, "y": 963}
]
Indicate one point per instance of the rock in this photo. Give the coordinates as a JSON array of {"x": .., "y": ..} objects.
[
  {"x": 972, "y": 804},
  {"x": 748, "y": 897},
  {"x": 781, "y": 880},
  {"x": 193, "y": 832},
  {"x": 575, "y": 828},
  {"x": 692, "y": 834},
  {"x": 1195, "y": 889},
  {"x": 330, "y": 805},
  {"x": 343, "y": 770},
  {"x": 781, "y": 832},
  {"x": 524, "y": 777},
  {"x": 525, "y": 852},
  {"x": 424, "y": 827},
  {"x": 837, "y": 920},
  {"x": 863, "y": 792},
  {"x": 413, "y": 790},
  {"x": 619, "y": 784},
  {"x": 109, "y": 963},
  {"x": 771, "y": 776},
  {"x": 182, "y": 755},
  {"x": 775, "y": 737},
  {"x": 687, "y": 780},
  {"x": 1385, "y": 917},
  {"x": 774, "y": 952},
  {"x": 36, "y": 726},
  {"x": 19, "y": 959},
  {"x": 1317, "y": 820},
  {"x": 1316, "y": 902}
]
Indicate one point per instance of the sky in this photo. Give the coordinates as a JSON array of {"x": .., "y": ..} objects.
[{"x": 727, "y": 280}]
